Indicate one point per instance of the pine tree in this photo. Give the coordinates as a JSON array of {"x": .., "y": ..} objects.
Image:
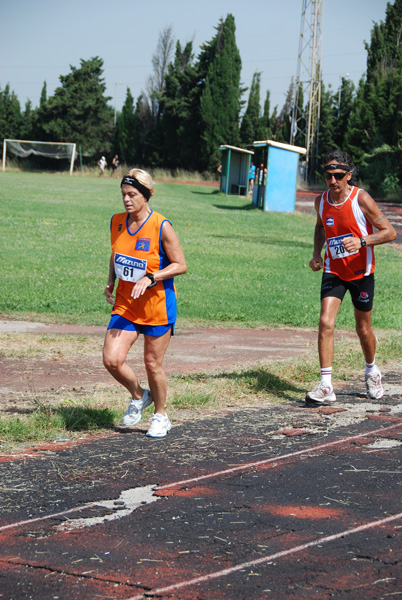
[{"x": 78, "y": 111}]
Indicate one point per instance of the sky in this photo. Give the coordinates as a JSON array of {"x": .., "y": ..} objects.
[{"x": 40, "y": 39}]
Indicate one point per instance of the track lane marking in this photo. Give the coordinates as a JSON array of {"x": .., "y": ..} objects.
[
  {"x": 273, "y": 460},
  {"x": 244, "y": 467},
  {"x": 265, "y": 559}
]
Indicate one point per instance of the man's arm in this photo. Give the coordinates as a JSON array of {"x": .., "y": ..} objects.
[
  {"x": 386, "y": 232},
  {"x": 319, "y": 239}
]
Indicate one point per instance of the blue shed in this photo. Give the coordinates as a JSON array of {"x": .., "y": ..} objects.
[
  {"x": 235, "y": 168},
  {"x": 276, "y": 180}
]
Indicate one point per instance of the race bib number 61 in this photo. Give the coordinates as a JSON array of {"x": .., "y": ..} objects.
[
  {"x": 129, "y": 268},
  {"x": 337, "y": 249}
]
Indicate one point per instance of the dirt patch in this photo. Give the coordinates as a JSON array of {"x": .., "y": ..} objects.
[
  {"x": 36, "y": 356},
  {"x": 219, "y": 370},
  {"x": 45, "y": 363}
]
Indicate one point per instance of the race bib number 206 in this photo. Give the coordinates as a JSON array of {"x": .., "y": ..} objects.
[
  {"x": 129, "y": 268},
  {"x": 337, "y": 249}
]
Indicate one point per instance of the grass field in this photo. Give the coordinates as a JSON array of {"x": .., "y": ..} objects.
[{"x": 245, "y": 267}]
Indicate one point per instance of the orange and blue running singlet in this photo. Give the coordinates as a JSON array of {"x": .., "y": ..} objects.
[
  {"x": 134, "y": 255},
  {"x": 343, "y": 221}
]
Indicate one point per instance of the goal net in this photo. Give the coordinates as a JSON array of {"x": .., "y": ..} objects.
[{"x": 26, "y": 148}]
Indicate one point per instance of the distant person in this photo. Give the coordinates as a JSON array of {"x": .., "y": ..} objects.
[
  {"x": 102, "y": 164},
  {"x": 219, "y": 169},
  {"x": 146, "y": 256},
  {"x": 346, "y": 216},
  {"x": 251, "y": 177},
  {"x": 261, "y": 175},
  {"x": 115, "y": 166}
]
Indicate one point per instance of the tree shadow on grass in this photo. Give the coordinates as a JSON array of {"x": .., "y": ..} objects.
[
  {"x": 245, "y": 207},
  {"x": 79, "y": 418},
  {"x": 207, "y": 193},
  {"x": 260, "y": 380}
]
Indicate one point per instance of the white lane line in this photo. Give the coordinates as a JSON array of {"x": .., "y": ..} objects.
[
  {"x": 53, "y": 516},
  {"x": 267, "y": 461},
  {"x": 215, "y": 474},
  {"x": 265, "y": 559}
]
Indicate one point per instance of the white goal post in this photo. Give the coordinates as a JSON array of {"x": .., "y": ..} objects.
[{"x": 24, "y": 148}]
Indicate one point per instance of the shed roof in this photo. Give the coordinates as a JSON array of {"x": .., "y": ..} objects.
[
  {"x": 227, "y": 147},
  {"x": 298, "y": 149}
]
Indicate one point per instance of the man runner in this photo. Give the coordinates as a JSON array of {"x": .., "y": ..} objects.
[{"x": 346, "y": 216}]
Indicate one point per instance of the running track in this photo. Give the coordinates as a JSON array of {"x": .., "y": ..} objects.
[{"x": 230, "y": 507}]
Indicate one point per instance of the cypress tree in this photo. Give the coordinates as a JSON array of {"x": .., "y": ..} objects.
[
  {"x": 283, "y": 121},
  {"x": 265, "y": 125},
  {"x": 180, "y": 111},
  {"x": 27, "y": 123},
  {"x": 343, "y": 106},
  {"x": 10, "y": 114},
  {"x": 251, "y": 123},
  {"x": 324, "y": 142},
  {"x": 127, "y": 134},
  {"x": 221, "y": 96}
]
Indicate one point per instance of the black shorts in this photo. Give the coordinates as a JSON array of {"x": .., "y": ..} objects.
[{"x": 361, "y": 290}]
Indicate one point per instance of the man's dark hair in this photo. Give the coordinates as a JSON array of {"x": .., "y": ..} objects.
[{"x": 343, "y": 158}]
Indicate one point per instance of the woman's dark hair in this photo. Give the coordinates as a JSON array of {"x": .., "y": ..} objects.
[{"x": 343, "y": 158}]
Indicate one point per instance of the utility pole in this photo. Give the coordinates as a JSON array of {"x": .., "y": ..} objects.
[{"x": 306, "y": 117}]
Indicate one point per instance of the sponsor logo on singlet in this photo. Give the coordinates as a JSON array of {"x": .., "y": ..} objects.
[{"x": 330, "y": 222}]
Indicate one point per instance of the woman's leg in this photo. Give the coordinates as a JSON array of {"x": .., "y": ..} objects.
[
  {"x": 115, "y": 349},
  {"x": 154, "y": 352}
]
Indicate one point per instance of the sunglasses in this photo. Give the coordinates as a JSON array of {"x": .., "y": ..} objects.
[{"x": 338, "y": 176}]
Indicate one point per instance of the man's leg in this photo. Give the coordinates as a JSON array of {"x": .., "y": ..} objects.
[
  {"x": 326, "y": 330},
  {"x": 324, "y": 392},
  {"x": 368, "y": 343},
  {"x": 366, "y": 335}
]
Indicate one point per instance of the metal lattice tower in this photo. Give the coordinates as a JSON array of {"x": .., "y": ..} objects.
[{"x": 306, "y": 118}]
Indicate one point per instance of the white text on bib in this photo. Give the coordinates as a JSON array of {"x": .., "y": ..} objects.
[
  {"x": 337, "y": 249},
  {"x": 129, "y": 268}
]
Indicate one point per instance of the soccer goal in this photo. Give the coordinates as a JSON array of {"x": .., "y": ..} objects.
[{"x": 25, "y": 148}]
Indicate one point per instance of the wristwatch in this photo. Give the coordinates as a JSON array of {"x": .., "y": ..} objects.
[
  {"x": 152, "y": 278},
  {"x": 363, "y": 243}
]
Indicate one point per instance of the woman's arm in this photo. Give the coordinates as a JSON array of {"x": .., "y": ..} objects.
[
  {"x": 110, "y": 283},
  {"x": 174, "y": 252}
]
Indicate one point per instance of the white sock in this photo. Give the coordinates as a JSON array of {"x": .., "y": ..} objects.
[
  {"x": 326, "y": 375},
  {"x": 371, "y": 367}
]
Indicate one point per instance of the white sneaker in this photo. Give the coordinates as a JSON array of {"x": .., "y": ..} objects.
[
  {"x": 160, "y": 425},
  {"x": 134, "y": 412},
  {"x": 322, "y": 394},
  {"x": 374, "y": 389}
]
